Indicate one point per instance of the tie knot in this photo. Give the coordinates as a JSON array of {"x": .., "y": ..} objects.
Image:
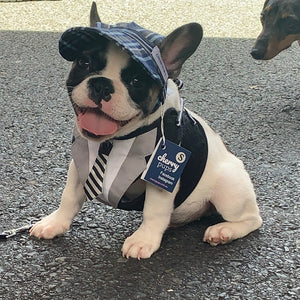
[{"x": 105, "y": 148}]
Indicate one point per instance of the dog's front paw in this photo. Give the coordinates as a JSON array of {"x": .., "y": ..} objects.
[
  {"x": 218, "y": 234},
  {"x": 141, "y": 244},
  {"x": 50, "y": 226}
]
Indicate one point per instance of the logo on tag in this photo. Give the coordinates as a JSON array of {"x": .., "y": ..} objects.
[
  {"x": 180, "y": 157},
  {"x": 166, "y": 165}
]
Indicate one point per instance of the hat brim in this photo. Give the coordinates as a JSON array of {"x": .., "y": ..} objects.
[{"x": 78, "y": 39}]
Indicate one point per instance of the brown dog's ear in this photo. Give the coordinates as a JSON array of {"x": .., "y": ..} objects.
[
  {"x": 94, "y": 17},
  {"x": 179, "y": 45}
]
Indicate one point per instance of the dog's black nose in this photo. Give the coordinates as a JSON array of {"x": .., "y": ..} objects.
[
  {"x": 257, "y": 53},
  {"x": 100, "y": 88}
]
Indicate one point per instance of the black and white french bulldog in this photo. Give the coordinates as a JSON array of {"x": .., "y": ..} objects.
[{"x": 116, "y": 100}]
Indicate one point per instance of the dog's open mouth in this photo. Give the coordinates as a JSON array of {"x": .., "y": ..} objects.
[{"x": 95, "y": 123}]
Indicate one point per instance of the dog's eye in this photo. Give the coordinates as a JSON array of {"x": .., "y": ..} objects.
[
  {"x": 136, "y": 82},
  {"x": 83, "y": 62}
]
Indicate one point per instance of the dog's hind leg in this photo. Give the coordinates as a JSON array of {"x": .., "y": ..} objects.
[{"x": 235, "y": 200}]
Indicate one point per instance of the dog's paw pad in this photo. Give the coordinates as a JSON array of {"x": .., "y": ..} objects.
[{"x": 218, "y": 234}]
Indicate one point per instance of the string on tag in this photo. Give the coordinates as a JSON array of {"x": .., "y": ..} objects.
[
  {"x": 179, "y": 120},
  {"x": 162, "y": 114}
]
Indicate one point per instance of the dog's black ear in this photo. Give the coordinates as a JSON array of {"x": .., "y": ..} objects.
[
  {"x": 94, "y": 17},
  {"x": 179, "y": 45}
]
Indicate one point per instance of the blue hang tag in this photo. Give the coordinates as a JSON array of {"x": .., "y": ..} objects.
[{"x": 166, "y": 165}]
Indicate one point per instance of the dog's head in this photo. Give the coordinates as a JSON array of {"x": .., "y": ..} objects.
[
  {"x": 114, "y": 83},
  {"x": 281, "y": 27}
]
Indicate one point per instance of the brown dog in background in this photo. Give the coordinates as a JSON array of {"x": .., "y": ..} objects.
[{"x": 281, "y": 27}]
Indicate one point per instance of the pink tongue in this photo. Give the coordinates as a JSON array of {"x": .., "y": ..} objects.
[{"x": 97, "y": 124}]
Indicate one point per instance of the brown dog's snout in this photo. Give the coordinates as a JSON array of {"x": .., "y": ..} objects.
[
  {"x": 257, "y": 53},
  {"x": 259, "y": 49},
  {"x": 100, "y": 88}
]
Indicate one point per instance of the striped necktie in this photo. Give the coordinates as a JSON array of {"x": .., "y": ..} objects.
[{"x": 94, "y": 183}]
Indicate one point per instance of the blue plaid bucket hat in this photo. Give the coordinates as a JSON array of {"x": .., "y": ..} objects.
[{"x": 139, "y": 43}]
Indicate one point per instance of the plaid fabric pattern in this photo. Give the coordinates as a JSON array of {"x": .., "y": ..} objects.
[{"x": 138, "y": 42}]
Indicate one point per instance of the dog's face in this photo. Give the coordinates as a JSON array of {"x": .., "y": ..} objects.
[
  {"x": 281, "y": 27},
  {"x": 110, "y": 92}
]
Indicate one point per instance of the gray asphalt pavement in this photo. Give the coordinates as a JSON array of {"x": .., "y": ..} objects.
[{"x": 255, "y": 106}]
